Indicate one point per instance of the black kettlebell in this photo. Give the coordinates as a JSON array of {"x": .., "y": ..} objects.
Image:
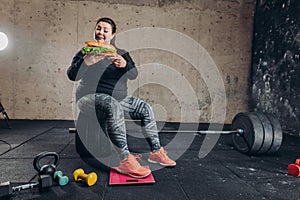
[{"x": 48, "y": 169}]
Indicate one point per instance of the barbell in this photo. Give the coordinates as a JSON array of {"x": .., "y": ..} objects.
[{"x": 252, "y": 133}]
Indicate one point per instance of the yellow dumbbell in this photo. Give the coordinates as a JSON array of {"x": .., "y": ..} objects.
[{"x": 90, "y": 178}]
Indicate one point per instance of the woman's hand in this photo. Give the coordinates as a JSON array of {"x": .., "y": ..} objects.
[
  {"x": 119, "y": 61},
  {"x": 92, "y": 59}
]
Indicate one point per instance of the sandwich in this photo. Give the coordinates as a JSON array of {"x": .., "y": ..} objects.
[{"x": 93, "y": 47}]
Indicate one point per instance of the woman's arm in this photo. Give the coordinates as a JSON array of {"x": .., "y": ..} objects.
[
  {"x": 77, "y": 68},
  {"x": 130, "y": 68}
]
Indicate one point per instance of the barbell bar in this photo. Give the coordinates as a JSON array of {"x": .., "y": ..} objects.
[
  {"x": 238, "y": 131},
  {"x": 252, "y": 133}
]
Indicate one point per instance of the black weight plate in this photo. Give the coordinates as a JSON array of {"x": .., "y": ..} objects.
[
  {"x": 268, "y": 132},
  {"x": 250, "y": 142},
  {"x": 277, "y": 134}
]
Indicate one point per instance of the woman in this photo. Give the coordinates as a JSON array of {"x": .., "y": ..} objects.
[{"x": 103, "y": 86}]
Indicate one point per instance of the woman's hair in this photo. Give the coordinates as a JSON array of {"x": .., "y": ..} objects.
[{"x": 110, "y": 21}]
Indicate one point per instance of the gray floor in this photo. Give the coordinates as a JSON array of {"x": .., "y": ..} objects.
[{"x": 223, "y": 174}]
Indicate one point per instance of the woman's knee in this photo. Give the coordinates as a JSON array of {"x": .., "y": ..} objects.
[
  {"x": 147, "y": 108},
  {"x": 86, "y": 104}
]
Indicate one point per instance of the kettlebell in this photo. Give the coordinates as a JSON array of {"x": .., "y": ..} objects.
[{"x": 48, "y": 169}]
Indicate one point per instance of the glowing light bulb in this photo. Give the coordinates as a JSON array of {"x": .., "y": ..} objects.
[{"x": 3, "y": 41}]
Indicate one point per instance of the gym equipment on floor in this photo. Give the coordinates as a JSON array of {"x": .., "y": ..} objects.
[{"x": 90, "y": 179}]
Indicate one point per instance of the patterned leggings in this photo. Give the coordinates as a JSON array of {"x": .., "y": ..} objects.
[{"x": 112, "y": 111}]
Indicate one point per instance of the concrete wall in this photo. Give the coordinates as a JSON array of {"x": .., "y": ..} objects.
[{"x": 214, "y": 35}]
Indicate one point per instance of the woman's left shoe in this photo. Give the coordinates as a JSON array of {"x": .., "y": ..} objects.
[{"x": 161, "y": 157}]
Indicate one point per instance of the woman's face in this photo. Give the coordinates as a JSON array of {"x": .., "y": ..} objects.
[{"x": 103, "y": 32}]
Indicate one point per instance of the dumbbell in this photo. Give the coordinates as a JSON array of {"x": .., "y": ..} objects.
[
  {"x": 62, "y": 180},
  {"x": 90, "y": 178},
  {"x": 294, "y": 168},
  {"x": 44, "y": 183}
]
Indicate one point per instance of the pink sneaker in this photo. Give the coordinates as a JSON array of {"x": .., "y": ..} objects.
[
  {"x": 161, "y": 158},
  {"x": 132, "y": 167}
]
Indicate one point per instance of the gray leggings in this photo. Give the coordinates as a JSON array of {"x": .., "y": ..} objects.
[{"x": 112, "y": 112}]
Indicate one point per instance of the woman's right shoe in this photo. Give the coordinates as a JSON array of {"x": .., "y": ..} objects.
[{"x": 132, "y": 167}]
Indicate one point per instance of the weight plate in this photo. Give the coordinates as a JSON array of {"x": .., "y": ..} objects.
[
  {"x": 277, "y": 134},
  {"x": 268, "y": 132},
  {"x": 90, "y": 140},
  {"x": 250, "y": 142}
]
